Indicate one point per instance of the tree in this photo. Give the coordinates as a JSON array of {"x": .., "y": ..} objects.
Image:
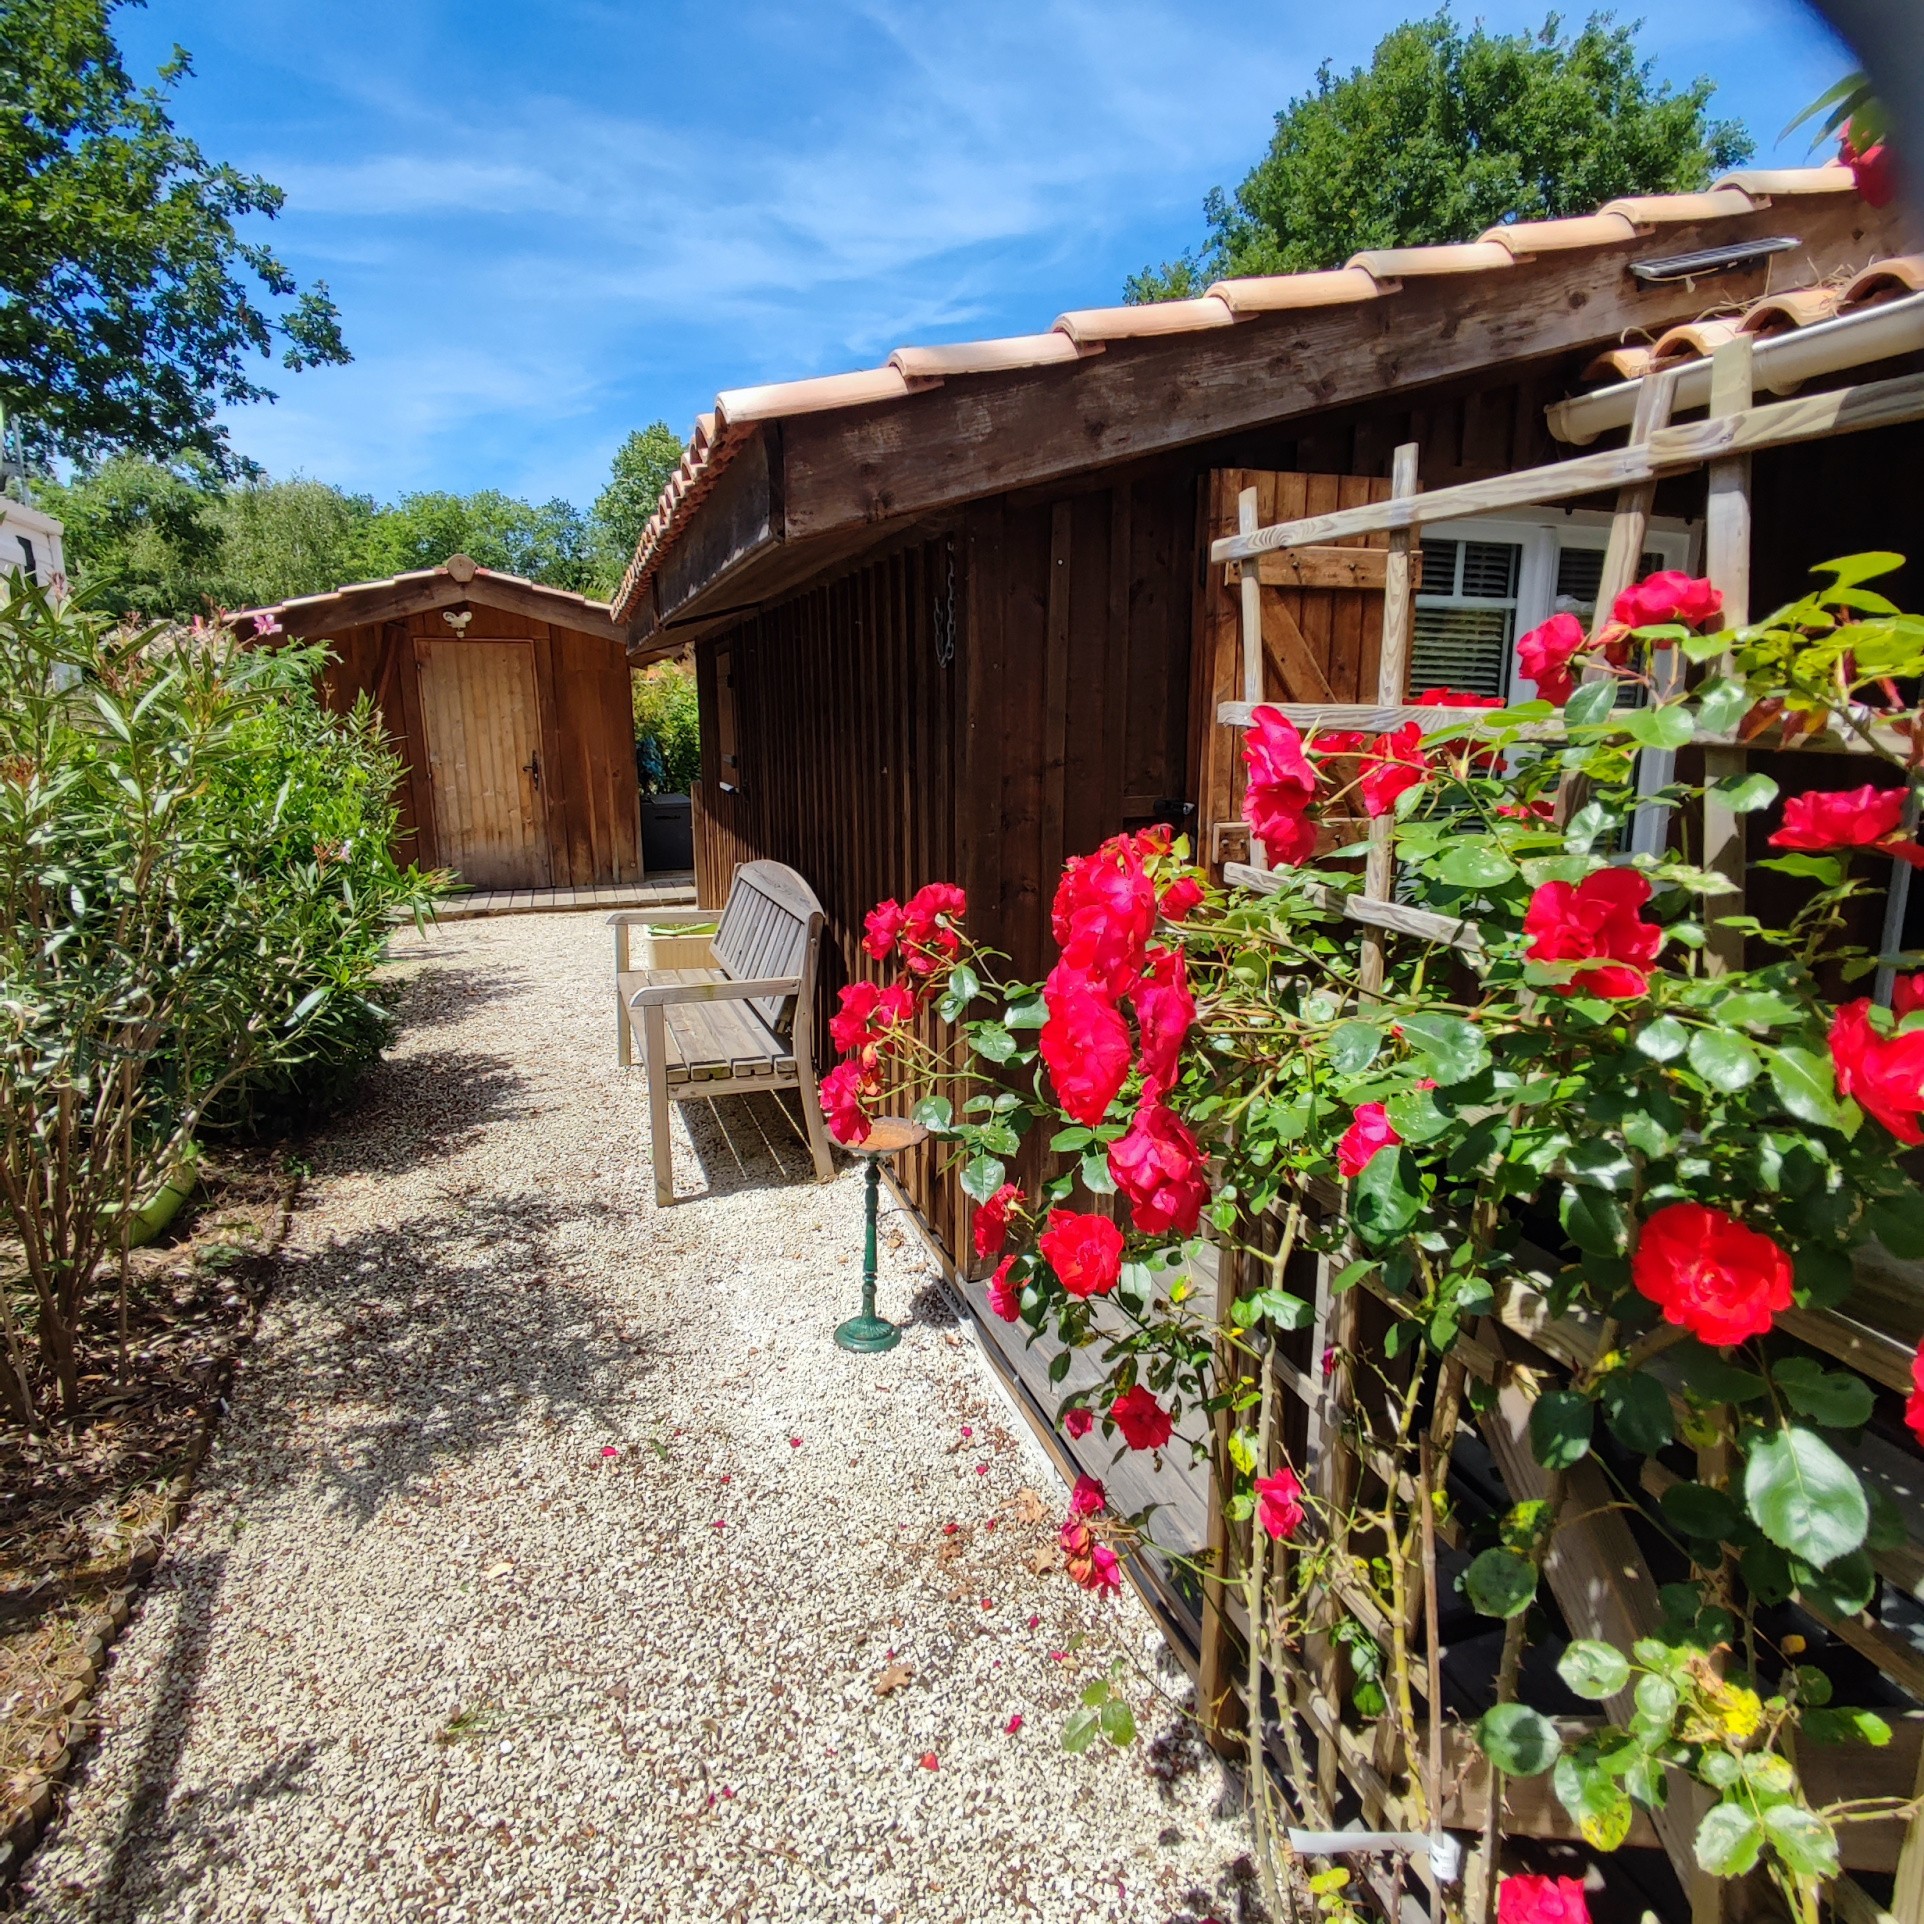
[
  {"x": 141, "y": 537},
  {"x": 1449, "y": 133},
  {"x": 547, "y": 543},
  {"x": 130, "y": 305},
  {"x": 285, "y": 538},
  {"x": 642, "y": 466}
]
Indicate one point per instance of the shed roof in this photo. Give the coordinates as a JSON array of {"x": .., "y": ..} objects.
[
  {"x": 1726, "y": 210},
  {"x": 458, "y": 579}
]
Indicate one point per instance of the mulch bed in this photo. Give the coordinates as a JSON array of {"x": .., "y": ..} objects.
[{"x": 85, "y": 1509}]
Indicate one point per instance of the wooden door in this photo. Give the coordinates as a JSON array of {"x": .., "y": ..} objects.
[
  {"x": 1322, "y": 631},
  {"x": 484, "y": 761}
]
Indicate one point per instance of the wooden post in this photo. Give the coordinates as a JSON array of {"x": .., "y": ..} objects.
[
  {"x": 1392, "y": 686},
  {"x": 1215, "y": 1682},
  {"x": 1248, "y": 518},
  {"x": 1727, "y": 563}
]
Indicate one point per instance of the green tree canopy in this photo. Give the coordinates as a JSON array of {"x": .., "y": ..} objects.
[
  {"x": 641, "y": 469},
  {"x": 545, "y": 542},
  {"x": 1447, "y": 133},
  {"x": 130, "y": 304}
]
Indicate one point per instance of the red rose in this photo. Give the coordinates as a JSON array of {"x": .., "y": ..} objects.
[
  {"x": 1914, "y": 1407},
  {"x": 1003, "y": 1298},
  {"x": 1529, "y": 1899},
  {"x": 1281, "y": 782},
  {"x": 1162, "y": 1171},
  {"x": 930, "y": 941},
  {"x": 844, "y": 1091},
  {"x": 1847, "y": 818},
  {"x": 992, "y": 1220},
  {"x": 1104, "y": 914},
  {"x": 849, "y": 1028},
  {"x": 1454, "y": 698},
  {"x": 1179, "y": 898},
  {"x": 1871, "y": 171},
  {"x": 1078, "y": 1422},
  {"x": 1671, "y": 596},
  {"x": 1165, "y": 1011},
  {"x": 1085, "y": 1042},
  {"x": 1537, "y": 810},
  {"x": 1088, "y": 1498},
  {"x": 1545, "y": 654},
  {"x": 1369, "y": 1131},
  {"x": 1596, "y": 920},
  {"x": 1709, "y": 1274},
  {"x": 883, "y": 924},
  {"x": 1279, "y": 1503},
  {"x": 1088, "y": 1560},
  {"x": 1144, "y": 1423},
  {"x": 1330, "y": 744},
  {"x": 1392, "y": 764},
  {"x": 1907, "y": 995},
  {"x": 1084, "y": 1251},
  {"x": 1883, "y": 1075}
]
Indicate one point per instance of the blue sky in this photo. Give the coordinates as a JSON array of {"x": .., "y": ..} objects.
[{"x": 546, "y": 224}]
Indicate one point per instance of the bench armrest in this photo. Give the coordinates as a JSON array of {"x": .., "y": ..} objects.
[
  {"x": 668, "y": 918},
  {"x": 752, "y": 988}
]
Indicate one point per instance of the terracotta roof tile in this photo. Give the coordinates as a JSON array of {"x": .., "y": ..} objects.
[
  {"x": 986, "y": 357},
  {"x": 1885, "y": 281},
  {"x": 1619, "y": 364},
  {"x": 1527, "y": 237},
  {"x": 1720, "y": 203},
  {"x": 1282, "y": 293},
  {"x": 1402, "y": 263},
  {"x": 1697, "y": 341},
  {"x": 1369, "y": 276},
  {"x": 1780, "y": 313},
  {"x": 1142, "y": 322}
]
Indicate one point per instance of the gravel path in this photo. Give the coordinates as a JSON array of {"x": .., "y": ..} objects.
[{"x": 551, "y": 1553}]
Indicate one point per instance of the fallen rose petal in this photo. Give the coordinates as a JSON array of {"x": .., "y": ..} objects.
[
  {"x": 1033, "y": 1621},
  {"x": 794, "y": 1442},
  {"x": 949, "y": 1529},
  {"x": 1014, "y": 1724},
  {"x": 720, "y": 1523},
  {"x": 728, "y": 1476},
  {"x": 608, "y": 1449},
  {"x": 981, "y": 1469},
  {"x": 966, "y": 1431},
  {"x": 988, "y": 1603},
  {"x": 1057, "y": 1656},
  {"x": 930, "y": 1761}
]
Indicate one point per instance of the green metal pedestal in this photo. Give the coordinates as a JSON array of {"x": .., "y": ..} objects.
[{"x": 868, "y": 1332}]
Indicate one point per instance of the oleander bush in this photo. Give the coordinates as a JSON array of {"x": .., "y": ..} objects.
[
  {"x": 196, "y": 888},
  {"x": 1697, "y": 1132}
]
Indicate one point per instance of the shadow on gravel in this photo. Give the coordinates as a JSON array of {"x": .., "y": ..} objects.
[
  {"x": 422, "y": 1107},
  {"x": 441, "y": 992},
  {"x": 449, "y": 1331},
  {"x": 746, "y": 1142}
]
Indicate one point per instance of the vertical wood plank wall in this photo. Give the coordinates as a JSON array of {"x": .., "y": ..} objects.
[{"x": 585, "y": 726}]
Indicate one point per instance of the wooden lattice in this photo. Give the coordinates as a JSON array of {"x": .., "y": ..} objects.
[{"x": 1595, "y": 1570}]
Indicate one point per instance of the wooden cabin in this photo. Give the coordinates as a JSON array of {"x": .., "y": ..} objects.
[
  {"x": 953, "y": 617},
  {"x": 508, "y": 702}
]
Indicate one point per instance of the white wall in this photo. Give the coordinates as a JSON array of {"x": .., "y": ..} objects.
[{"x": 30, "y": 540}]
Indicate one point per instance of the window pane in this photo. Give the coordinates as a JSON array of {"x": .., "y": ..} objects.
[
  {"x": 1463, "y": 648},
  {"x": 1439, "y": 567},
  {"x": 1490, "y": 570}
]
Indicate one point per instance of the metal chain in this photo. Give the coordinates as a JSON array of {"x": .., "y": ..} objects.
[{"x": 945, "y": 612}]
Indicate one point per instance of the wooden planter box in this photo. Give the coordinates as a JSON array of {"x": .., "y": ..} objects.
[{"x": 671, "y": 950}]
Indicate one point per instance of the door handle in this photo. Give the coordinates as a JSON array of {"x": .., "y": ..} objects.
[{"x": 532, "y": 768}]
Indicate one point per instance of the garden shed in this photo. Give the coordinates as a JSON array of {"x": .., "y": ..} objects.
[
  {"x": 509, "y": 703},
  {"x": 953, "y": 617}
]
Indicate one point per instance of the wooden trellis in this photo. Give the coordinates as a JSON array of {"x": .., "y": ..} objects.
[{"x": 1595, "y": 1570}]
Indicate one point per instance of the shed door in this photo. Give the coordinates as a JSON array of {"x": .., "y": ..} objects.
[
  {"x": 1321, "y": 638},
  {"x": 484, "y": 761}
]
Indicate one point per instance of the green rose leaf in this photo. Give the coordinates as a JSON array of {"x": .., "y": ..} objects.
[
  {"x": 982, "y": 1178},
  {"x": 1500, "y": 1584},
  {"x": 991, "y": 1040},
  {"x": 1095, "y": 1174},
  {"x": 1728, "y": 1840},
  {"x": 1832, "y": 1398},
  {"x": 1026, "y": 1012},
  {"x": 1699, "y": 1511},
  {"x": 1721, "y": 705},
  {"x": 1667, "y": 727},
  {"x": 1118, "y": 1723},
  {"x": 1473, "y": 865},
  {"x": 1594, "y": 1798},
  {"x": 1805, "y": 1085},
  {"x": 1663, "y": 1040},
  {"x": 1386, "y": 1196},
  {"x": 1805, "y": 1841},
  {"x": 1745, "y": 794},
  {"x": 1804, "y": 1496},
  {"x": 935, "y": 1114},
  {"x": 1560, "y": 1426},
  {"x": 1595, "y": 1221},
  {"x": 1841, "y": 1589},
  {"x": 1724, "y": 1059},
  {"x": 1637, "y": 1408},
  {"x": 1594, "y": 1670},
  {"x": 1518, "y": 1741},
  {"x": 1452, "y": 1050},
  {"x": 1352, "y": 1046},
  {"x": 1592, "y": 703},
  {"x": 1898, "y": 1223},
  {"x": 1080, "y": 1731}
]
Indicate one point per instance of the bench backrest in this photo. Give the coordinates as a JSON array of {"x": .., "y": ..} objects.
[{"x": 770, "y": 927}]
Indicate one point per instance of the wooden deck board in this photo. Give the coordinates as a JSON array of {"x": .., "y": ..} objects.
[{"x": 674, "y": 890}]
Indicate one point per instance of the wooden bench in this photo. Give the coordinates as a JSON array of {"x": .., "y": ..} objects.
[{"x": 743, "y": 1025}]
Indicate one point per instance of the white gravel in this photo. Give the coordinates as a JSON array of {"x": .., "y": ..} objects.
[{"x": 423, "y": 1648}]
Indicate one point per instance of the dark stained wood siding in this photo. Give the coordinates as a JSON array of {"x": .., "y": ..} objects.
[{"x": 585, "y": 726}]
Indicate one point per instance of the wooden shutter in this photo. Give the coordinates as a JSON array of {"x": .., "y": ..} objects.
[{"x": 1322, "y": 630}]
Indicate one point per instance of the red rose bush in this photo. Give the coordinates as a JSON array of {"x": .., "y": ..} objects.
[{"x": 1608, "y": 1104}]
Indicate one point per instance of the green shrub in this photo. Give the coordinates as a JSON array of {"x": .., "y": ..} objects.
[
  {"x": 667, "y": 728},
  {"x": 194, "y": 890}
]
